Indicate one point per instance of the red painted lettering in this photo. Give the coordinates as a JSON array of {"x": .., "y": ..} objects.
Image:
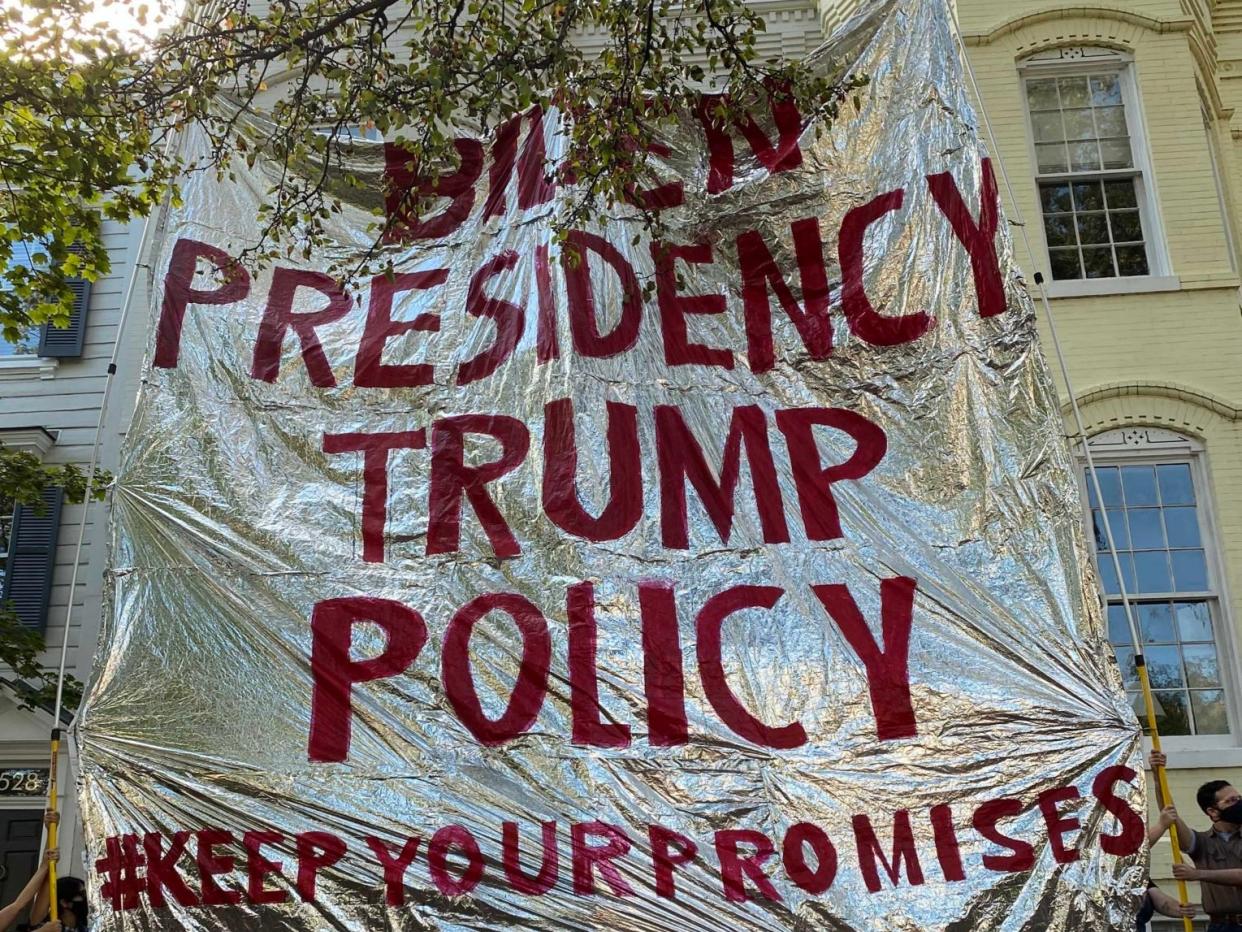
[
  {"x": 888, "y": 667},
  {"x": 711, "y": 667},
  {"x": 395, "y": 866},
  {"x": 680, "y": 458},
  {"x": 508, "y": 318},
  {"x": 333, "y": 673},
  {"x": 532, "y": 680},
  {"x": 560, "y": 469},
  {"x": 760, "y": 272},
  {"x": 452, "y": 480},
  {"x": 812, "y": 479},
  {"x": 370, "y": 371},
  {"x": 179, "y": 291},
  {"x": 279, "y": 318},
  {"x": 374, "y": 449},
  {"x": 735, "y": 868},
  {"x": 978, "y": 238},
  {"x": 904, "y": 852}
]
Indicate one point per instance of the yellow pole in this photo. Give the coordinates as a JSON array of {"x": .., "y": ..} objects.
[
  {"x": 1162, "y": 778},
  {"x": 52, "y": 833}
]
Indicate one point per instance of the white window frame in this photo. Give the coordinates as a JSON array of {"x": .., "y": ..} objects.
[
  {"x": 1148, "y": 446},
  {"x": 1073, "y": 60},
  {"x": 25, "y": 365}
]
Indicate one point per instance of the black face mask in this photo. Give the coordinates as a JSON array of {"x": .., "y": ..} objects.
[
  {"x": 79, "y": 907},
  {"x": 1232, "y": 814}
]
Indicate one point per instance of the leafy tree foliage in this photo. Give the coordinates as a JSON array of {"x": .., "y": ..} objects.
[{"x": 90, "y": 116}]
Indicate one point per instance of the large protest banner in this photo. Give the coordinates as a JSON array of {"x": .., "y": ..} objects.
[{"x": 732, "y": 581}]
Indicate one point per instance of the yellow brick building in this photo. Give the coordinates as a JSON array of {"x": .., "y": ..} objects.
[{"x": 1115, "y": 123}]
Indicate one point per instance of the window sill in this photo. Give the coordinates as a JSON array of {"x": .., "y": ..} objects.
[
  {"x": 1205, "y": 753},
  {"x": 24, "y": 367},
  {"x": 1137, "y": 284}
]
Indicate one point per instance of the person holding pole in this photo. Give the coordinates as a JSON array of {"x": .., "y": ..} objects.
[
  {"x": 30, "y": 892},
  {"x": 71, "y": 903},
  {"x": 1217, "y": 853},
  {"x": 1156, "y": 900}
]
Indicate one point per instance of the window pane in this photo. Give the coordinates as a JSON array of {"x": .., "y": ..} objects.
[
  {"x": 1092, "y": 228},
  {"x": 1064, "y": 263},
  {"x": 1105, "y": 90},
  {"x": 1152, "y": 569},
  {"x": 1118, "y": 627},
  {"x": 1088, "y": 195},
  {"x": 1189, "y": 570},
  {"x": 1111, "y": 121},
  {"x": 1172, "y": 714},
  {"x": 1084, "y": 156},
  {"x": 1127, "y": 228},
  {"x": 1120, "y": 193},
  {"x": 1074, "y": 92},
  {"x": 1146, "y": 529},
  {"x": 1098, "y": 262},
  {"x": 1120, "y": 530},
  {"x": 1164, "y": 666},
  {"x": 1055, "y": 198},
  {"x": 1125, "y": 662},
  {"x": 1132, "y": 260},
  {"x": 27, "y": 344},
  {"x": 1116, "y": 153},
  {"x": 1098, "y": 529},
  {"x": 1155, "y": 621},
  {"x": 1110, "y": 484},
  {"x": 1210, "y": 715},
  {"x": 1175, "y": 485},
  {"x": 1041, "y": 94},
  {"x": 1051, "y": 158},
  {"x": 1139, "y": 483},
  {"x": 1108, "y": 578},
  {"x": 1047, "y": 127},
  {"x": 1059, "y": 228},
  {"x": 1194, "y": 621},
  {"x": 1202, "y": 668},
  {"x": 1183, "y": 527},
  {"x": 1078, "y": 125}
]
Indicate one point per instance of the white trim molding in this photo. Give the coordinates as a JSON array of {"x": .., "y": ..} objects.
[
  {"x": 1092, "y": 287},
  {"x": 26, "y": 366},
  {"x": 36, "y": 440}
]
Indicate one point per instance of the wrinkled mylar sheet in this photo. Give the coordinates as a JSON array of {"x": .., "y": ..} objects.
[{"x": 735, "y": 584}]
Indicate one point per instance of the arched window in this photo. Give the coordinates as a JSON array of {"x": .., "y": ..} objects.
[
  {"x": 1154, "y": 495},
  {"x": 1091, "y": 169}
]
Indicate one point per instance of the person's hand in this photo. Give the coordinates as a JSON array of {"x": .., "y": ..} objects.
[
  {"x": 1188, "y": 911},
  {"x": 1185, "y": 872},
  {"x": 51, "y": 854},
  {"x": 1168, "y": 815},
  {"x": 51, "y": 817},
  {"x": 1157, "y": 759}
]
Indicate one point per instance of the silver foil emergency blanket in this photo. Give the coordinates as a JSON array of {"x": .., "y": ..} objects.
[{"x": 739, "y": 583}]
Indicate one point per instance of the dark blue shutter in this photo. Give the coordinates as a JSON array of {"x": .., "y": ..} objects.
[
  {"x": 65, "y": 342},
  {"x": 32, "y": 557}
]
